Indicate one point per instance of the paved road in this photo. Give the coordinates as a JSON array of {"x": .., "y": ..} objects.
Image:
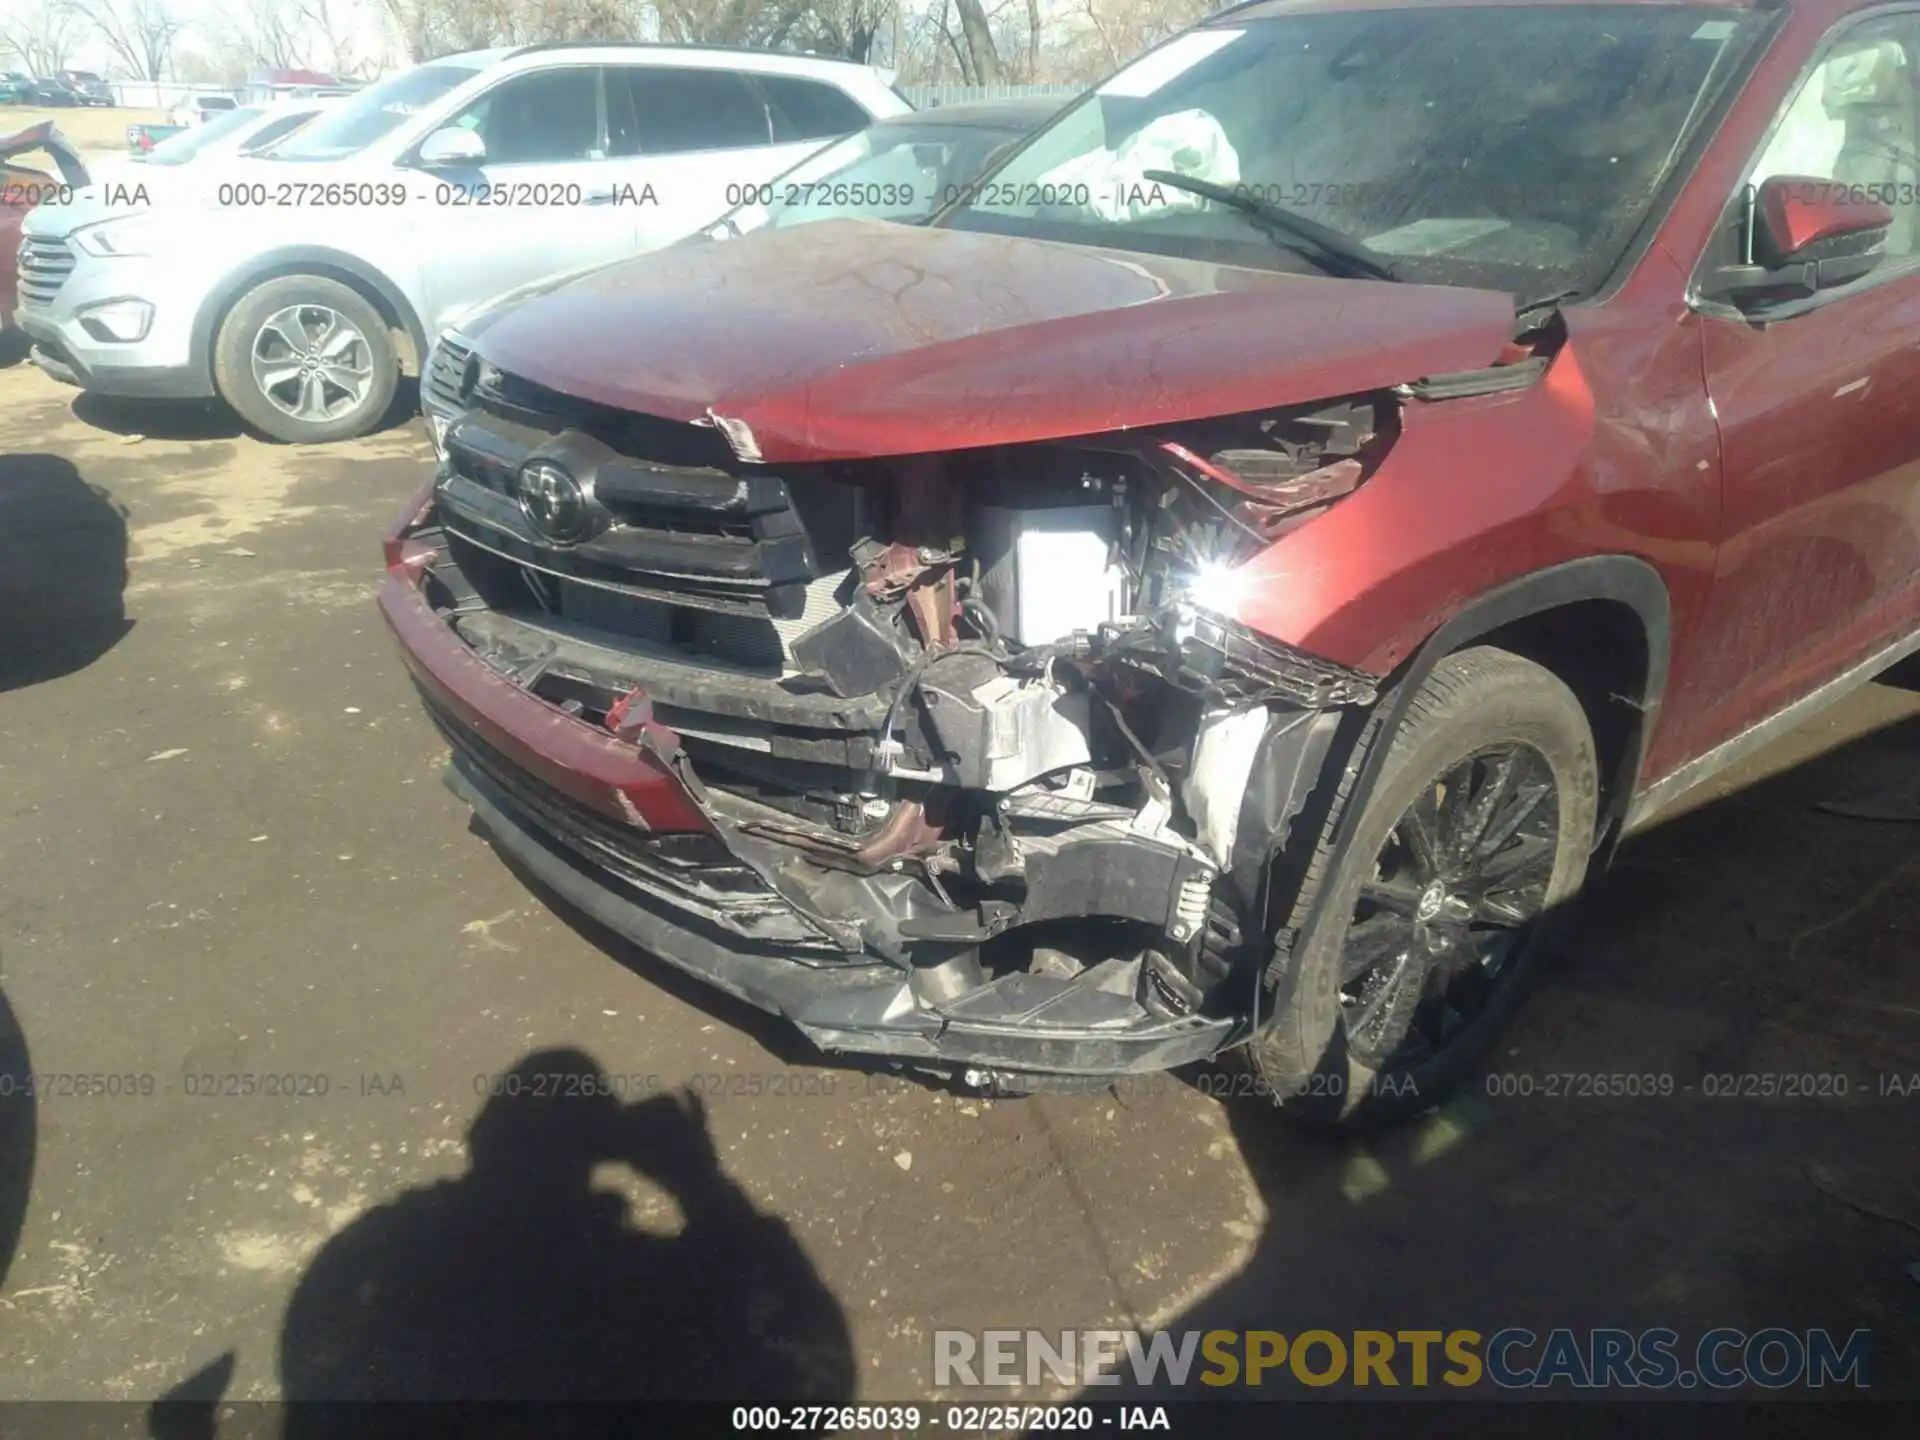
[{"x": 227, "y": 866}]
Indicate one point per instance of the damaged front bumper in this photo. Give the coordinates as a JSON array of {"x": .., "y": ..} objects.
[
  {"x": 623, "y": 831},
  {"x": 992, "y": 795}
]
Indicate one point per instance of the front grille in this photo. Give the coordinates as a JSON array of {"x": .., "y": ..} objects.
[
  {"x": 667, "y": 442},
  {"x": 683, "y": 548},
  {"x": 44, "y": 267},
  {"x": 444, "y": 386}
]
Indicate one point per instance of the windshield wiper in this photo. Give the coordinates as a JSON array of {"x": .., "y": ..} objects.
[
  {"x": 1548, "y": 303},
  {"x": 1327, "y": 244}
]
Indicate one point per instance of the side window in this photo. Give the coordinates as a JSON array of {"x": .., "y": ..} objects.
[
  {"x": 548, "y": 116},
  {"x": 811, "y": 109},
  {"x": 661, "y": 110},
  {"x": 279, "y": 129},
  {"x": 1856, "y": 121}
]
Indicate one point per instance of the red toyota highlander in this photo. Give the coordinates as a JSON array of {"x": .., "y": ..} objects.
[{"x": 1229, "y": 577}]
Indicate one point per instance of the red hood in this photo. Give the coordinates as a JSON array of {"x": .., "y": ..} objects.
[
  {"x": 44, "y": 137},
  {"x": 855, "y": 338}
]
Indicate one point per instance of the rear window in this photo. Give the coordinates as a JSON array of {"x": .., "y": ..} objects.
[
  {"x": 275, "y": 131},
  {"x": 811, "y": 109},
  {"x": 178, "y": 149},
  {"x": 215, "y": 102},
  {"x": 663, "y": 110}
]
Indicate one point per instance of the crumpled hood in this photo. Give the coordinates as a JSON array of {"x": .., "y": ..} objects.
[{"x": 853, "y": 338}]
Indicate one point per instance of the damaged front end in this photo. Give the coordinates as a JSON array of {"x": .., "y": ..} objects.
[{"x": 972, "y": 769}]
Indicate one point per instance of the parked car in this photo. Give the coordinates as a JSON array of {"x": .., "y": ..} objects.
[
  {"x": 411, "y": 203},
  {"x": 896, "y": 169},
  {"x": 17, "y": 88},
  {"x": 78, "y": 87},
  {"x": 1229, "y": 579},
  {"x": 55, "y": 181},
  {"x": 234, "y": 134},
  {"x": 144, "y": 135},
  {"x": 198, "y": 109},
  {"x": 263, "y": 86}
]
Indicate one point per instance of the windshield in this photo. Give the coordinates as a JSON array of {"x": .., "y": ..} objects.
[
  {"x": 178, "y": 149},
  {"x": 373, "y": 112},
  {"x": 901, "y": 171},
  {"x": 1512, "y": 148}
]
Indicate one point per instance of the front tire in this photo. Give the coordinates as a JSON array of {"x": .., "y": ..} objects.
[
  {"x": 306, "y": 360},
  {"x": 1470, "y": 849}
]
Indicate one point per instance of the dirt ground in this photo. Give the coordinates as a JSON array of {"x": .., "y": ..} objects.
[
  {"x": 92, "y": 131},
  {"x": 232, "y": 888}
]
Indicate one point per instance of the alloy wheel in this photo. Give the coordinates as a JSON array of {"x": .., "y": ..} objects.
[
  {"x": 1454, "y": 893},
  {"x": 312, "y": 363}
]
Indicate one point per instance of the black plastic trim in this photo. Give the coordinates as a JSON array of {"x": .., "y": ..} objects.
[
  {"x": 1620, "y": 578},
  {"x": 183, "y": 382}
]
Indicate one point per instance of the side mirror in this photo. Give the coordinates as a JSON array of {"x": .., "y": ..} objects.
[
  {"x": 454, "y": 145},
  {"x": 1803, "y": 235}
]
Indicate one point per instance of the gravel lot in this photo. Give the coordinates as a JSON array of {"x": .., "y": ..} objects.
[{"x": 224, "y": 852}]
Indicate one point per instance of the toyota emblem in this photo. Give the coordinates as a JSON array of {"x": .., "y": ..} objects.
[{"x": 553, "y": 502}]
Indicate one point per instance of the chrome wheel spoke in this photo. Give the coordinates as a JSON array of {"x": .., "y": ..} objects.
[
  {"x": 1373, "y": 943},
  {"x": 1502, "y": 828},
  {"x": 313, "y": 401},
  {"x": 1397, "y": 897},
  {"x": 1479, "y": 810},
  {"x": 1384, "y": 1010},
  {"x": 354, "y": 382},
  {"x": 1500, "y": 909},
  {"x": 1527, "y": 860},
  {"x": 1419, "y": 830},
  {"x": 284, "y": 327}
]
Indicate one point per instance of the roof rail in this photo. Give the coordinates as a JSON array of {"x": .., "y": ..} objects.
[{"x": 674, "y": 45}]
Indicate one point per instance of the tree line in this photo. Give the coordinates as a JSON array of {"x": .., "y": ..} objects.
[{"x": 975, "y": 42}]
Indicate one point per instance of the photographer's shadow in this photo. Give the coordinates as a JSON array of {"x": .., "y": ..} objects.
[{"x": 520, "y": 1282}]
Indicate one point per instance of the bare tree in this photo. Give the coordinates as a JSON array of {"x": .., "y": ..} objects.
[
  {"x": 41, "y": 32},
  {"x": 427, "y": 28},
  {"x": 330, "y": 23},
  {"x": 140, "y": 33},
  {"x": 1109, "y": 33},
  {"x": 978, "y": 37},
  {"x": 269, "y": 34}
]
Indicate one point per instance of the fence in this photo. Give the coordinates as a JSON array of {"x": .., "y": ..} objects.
[
  {"x": 159, "y": 94},
  {"x": 926, "y": 97},
  {"x": 165, "y": 94}
]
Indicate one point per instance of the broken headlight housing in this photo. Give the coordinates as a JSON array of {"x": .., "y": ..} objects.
[{"x": 1234, "y": 486}]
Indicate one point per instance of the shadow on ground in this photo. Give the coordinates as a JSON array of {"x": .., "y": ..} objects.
[
  {"x": 63, "y": 570},
  {"x": 1704, "y": 1117},
  {"x": 19, "y": 1128},
  {"x": 191, "y": 420},
  {"x": 523, "y": 1281}
]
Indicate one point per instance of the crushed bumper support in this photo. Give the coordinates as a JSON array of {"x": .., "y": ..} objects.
[{"x": 1022, "y": 1025}]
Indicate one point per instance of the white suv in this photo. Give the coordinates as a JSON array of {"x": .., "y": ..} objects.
[{"x": 291, "y": 285}]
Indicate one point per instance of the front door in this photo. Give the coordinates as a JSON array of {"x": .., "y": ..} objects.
[
  {"x": 1819, "y": 409},
  {"x": 536, "y": 205}
]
